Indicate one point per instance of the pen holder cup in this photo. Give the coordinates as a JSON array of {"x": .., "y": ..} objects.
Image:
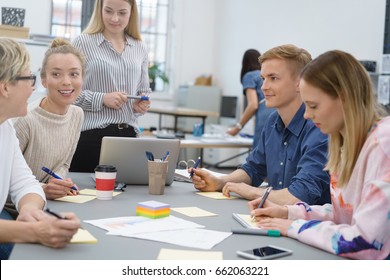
[
  {"x": 105, "y": 181},
  {"x": 157, "y": 171}
]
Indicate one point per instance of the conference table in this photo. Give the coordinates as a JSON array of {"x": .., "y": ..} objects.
[{"x": 179, "y": 194}]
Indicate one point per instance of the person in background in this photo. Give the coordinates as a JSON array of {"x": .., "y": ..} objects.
[
  {"x": 48, "y": 135},
  {"x": 340, "y": 100},
  {"x": 255, "y": 102},
  {"x": 116, "y": 66},
  {"x": 291, "y": 152},
  {"x": 16, "y": 179}
]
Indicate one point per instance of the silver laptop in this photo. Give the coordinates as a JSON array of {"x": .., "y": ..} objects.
[{"x": 129, "y": 157}]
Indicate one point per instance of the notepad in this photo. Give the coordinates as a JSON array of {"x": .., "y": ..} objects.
[
  {"x": 193, "y": 212},
  {"x": 93, "y": 192},
  {"x": 245, "y": 220},
  {"x": 76, "y": 198},
  {"x": 83, "y": 236},
  {"x": 215, "y": 195}
]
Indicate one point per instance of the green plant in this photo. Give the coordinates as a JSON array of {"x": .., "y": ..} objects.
[{"x": 155, "y": 72}]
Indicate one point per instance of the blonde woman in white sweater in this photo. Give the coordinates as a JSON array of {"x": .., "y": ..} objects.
[
  {"x": 33, "y": 224},
  {"x": 48, "y": 135}
]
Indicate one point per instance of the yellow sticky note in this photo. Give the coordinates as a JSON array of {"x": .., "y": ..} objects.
[
  {"x": 215, "y": 195},
  {"x": 193, "y": 211},
  {"x": 93, "y": 192},
  {"x": 171, "y": 254},
  {"x": 76, "y": 198},
  {"x": 83, "y": 236}
]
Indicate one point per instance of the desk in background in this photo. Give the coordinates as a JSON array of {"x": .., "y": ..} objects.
[
  {"x": 178, "y": 112},
  {"x": 179, "y": 194},
  {"x": 217, "y": 143}
]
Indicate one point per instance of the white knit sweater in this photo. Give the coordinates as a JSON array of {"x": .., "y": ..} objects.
[{"x": 49, "y": 140}]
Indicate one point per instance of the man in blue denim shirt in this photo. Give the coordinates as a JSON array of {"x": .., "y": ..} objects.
[{"x": 292, "y": 152}]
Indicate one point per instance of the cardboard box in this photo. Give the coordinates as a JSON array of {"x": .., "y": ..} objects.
[{"x": 14, "y": 31}]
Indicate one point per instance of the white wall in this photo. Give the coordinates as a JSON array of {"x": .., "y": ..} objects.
[
  {"x": 212, "y": 35},
  {"x": 38, "y": 13}
]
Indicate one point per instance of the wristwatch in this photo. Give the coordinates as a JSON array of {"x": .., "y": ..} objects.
[{"x": 238, "y": 125}]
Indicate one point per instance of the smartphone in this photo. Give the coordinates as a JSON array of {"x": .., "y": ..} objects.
[{"x": 264, "y": 253}]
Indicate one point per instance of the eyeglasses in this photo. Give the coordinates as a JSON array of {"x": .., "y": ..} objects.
[{"x": 32, "y": 77}]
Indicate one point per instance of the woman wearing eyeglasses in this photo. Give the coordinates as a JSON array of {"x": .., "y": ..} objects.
[{"x": 16, "y": 179}]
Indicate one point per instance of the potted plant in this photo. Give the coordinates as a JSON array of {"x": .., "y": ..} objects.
[{"x": 154, "y": 73}]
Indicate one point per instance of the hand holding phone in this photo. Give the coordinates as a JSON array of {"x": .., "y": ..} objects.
[{"x": 264, "y": 253}]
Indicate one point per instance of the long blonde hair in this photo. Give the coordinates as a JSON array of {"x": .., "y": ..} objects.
[
  {"x": 96, "y": 24},
  {"x": 14, "y": 59},
  {"x": 340, "y": 75}
]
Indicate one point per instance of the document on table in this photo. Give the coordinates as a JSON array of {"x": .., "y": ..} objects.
[
  {"x": 193, "y": 211},
  {"x": 193, "y": 237},
  {"x": 172, "y": 254},
  {"x": 126, "y": 226},
  {"x": 171, "y": 230},
  {"x": 215, "y": 195}
]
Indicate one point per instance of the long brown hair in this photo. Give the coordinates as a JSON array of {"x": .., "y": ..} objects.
[{"x": 340, "y": 75}]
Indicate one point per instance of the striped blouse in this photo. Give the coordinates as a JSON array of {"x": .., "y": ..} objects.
[{"x": 110, "y": 71}]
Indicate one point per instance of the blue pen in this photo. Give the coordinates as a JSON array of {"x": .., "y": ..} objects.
[
  {"x": 141, "y": 97},
  {"x": 195, "y": 166},
  {"x": 165, "y": 157},
  {"x": 51, "y": 173}
]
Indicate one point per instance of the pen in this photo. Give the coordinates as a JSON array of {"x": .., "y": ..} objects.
[
  {"x": 47, "y": 210},
  {"x": 262, "y": 101},
  {"x": 265, "y": 195},
  {"x": 51, "y": 173},
  {"x": 194, "y": 167},
  {"x": 141, "y": 97},
  {"x": 164, "y": 158},
  {"x": 254, "y": 231}
]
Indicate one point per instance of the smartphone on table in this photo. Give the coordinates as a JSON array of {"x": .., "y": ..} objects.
[{"x": 265, "y": 253}]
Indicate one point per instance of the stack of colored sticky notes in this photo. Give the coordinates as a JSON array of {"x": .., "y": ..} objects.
[{"x": 153, "y": 209}]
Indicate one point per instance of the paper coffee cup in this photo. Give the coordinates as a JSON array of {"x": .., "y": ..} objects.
[{"x": 105, "y": 181}]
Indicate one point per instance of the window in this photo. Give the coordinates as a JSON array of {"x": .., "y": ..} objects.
[{"x": 67, "y": 21}]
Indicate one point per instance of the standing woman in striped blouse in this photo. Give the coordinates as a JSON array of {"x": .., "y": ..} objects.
[{"x": 116, "y": 66}]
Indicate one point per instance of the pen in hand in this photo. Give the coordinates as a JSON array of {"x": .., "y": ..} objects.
[
  {"x": 194, "y": 167},
  {"x": 47, "y": 210},
  {"x": 265, "y": 195},
  {"x": 141, "y": 97},
  {"x": 58, "y": 216},
  {"x": 51, "y": 173}
]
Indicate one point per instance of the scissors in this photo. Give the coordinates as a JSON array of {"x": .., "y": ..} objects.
[{"x": 185, "y": 164}]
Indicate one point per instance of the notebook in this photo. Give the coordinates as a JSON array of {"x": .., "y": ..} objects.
[{"x": 129, "y": 158}]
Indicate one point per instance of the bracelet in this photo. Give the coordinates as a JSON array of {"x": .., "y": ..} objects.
[{"x": 239, "y": 126}]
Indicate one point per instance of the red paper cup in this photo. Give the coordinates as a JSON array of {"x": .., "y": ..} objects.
[{"x": 105, "y": 181}]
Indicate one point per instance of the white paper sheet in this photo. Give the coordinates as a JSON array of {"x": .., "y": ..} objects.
[
  {"x": 194, "y": 238},
  {"x": 126, "y": 226}
]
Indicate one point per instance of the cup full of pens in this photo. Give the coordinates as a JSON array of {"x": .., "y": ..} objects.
[{"x": 157, "y": 172}]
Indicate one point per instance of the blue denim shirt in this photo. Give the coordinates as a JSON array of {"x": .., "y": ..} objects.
[
  {"x": 252, "y": 80},
  {"x": 293, "y": 158}
]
